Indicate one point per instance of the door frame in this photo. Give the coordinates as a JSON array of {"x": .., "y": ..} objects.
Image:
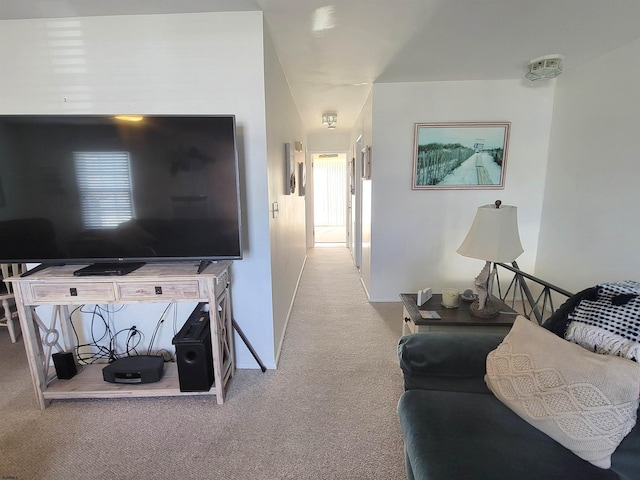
[
  {"x": 355, "y": 244},
  {"x": 310, "y": 193}
]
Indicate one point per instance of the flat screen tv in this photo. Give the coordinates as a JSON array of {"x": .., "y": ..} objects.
[{"x": 112, "y": 191}]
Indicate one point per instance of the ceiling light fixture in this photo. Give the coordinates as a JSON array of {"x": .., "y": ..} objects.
[
  {"x": 545, "y": 67},
  {"x": 330, "y": 119}
]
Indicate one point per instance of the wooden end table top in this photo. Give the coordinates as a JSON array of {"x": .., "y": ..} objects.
[{"x": 454, "y": 316}]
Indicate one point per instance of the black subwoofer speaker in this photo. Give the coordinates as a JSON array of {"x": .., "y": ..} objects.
[
  {"x": 193, "y": 352},
  {"x": 65, "y": 365}
]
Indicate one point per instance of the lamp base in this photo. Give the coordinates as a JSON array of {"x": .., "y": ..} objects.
[{"x": 491, "y": 310}]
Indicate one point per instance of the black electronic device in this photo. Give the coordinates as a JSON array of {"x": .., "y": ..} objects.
[
  {"x": 193, "y": 352},
  {"x": 108, "y": 269},
  {"x": 134, "y": 369},
  {"x": 83, "y": 189},
  {"x": 65, "y": 365}
]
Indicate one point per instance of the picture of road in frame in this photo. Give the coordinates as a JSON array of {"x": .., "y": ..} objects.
[{"x": 460, "y": 155}]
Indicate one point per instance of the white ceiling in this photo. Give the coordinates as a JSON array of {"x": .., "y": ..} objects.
[{"x": 332, "y": 51}]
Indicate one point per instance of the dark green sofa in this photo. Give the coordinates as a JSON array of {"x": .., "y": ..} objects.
[{"x": 454, "y": 428}]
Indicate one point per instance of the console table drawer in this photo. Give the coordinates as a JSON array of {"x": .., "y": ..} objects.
[
  {"x": 187, "y": 290},
  {"x": 80, "y": 292}
]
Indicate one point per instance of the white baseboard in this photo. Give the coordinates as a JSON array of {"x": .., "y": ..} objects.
[{"x": 286, "y": 322}]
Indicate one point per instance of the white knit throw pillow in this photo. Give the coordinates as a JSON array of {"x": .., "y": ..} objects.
[{"x": 585, "y": 401}]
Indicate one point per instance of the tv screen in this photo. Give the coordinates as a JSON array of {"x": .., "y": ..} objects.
[{"x": 78, "y": 189}]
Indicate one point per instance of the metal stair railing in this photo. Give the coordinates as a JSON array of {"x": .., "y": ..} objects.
[{"x": 519, "y": 296}]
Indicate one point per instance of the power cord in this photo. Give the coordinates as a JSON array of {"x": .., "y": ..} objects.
[{"x": 104, "y": 341}]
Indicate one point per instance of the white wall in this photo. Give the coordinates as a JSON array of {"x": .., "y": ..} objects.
[
  {"x": 590, "y": 223},
  {"x": 415, "y": 233},
  {"x": 172, "y": 64},
  {"x": 329, "y": 141},
  {"x": 287, "y": 230}
]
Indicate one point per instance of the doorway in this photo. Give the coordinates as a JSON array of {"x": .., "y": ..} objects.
[{"x": 330, "y": 199}]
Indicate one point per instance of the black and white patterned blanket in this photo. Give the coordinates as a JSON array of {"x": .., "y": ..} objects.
[{"x": 610, "y": 322}]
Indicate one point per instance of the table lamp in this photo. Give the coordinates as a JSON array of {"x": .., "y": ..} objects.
[{"x": 493, "y": 237}]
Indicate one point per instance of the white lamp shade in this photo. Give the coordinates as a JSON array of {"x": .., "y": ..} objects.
[{"x": 493, "y": 235}]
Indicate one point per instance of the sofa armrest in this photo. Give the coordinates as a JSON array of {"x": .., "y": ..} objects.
[{"x": 446, "y": 361}]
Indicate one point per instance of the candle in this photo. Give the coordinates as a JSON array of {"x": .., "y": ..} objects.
[{"x": 450, "y": 297}]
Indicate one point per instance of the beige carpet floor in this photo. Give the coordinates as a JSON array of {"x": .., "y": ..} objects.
[{"x": 327, "y": 412}]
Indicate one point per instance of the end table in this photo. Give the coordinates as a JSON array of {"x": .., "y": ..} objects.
[{"x": 451, "y": 319}]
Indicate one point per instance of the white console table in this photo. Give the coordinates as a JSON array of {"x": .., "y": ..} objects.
[{"x": 154, "y": 282}]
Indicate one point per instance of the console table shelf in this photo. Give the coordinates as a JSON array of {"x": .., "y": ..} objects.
[
  {"x": 88, "y": 383},
  {"x": 161, "y": 282}
]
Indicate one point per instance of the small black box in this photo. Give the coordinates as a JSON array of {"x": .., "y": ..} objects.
[{"x": 65, "y": 366}]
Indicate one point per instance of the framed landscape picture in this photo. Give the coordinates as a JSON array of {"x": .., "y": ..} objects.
[
  {"x": 366, "y": 163},
  {"x": 469, "y": 155},
  {"x": 289, "y": 169}
]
